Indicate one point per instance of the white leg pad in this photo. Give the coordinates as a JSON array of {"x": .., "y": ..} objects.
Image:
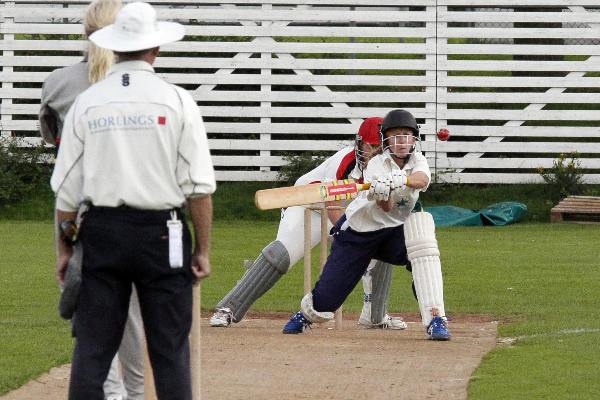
[
  {"x": 424, "y": 255},
  {"x": 306, "y": 305}
]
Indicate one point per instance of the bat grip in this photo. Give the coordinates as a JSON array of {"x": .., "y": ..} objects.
[{"x": 363, "y": 186}]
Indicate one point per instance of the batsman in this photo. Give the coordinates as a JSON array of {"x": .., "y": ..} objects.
[
  {"x": 288, "y": 248},
  {"x": 380, "y": 225}
]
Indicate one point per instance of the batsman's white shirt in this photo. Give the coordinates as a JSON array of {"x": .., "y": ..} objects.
[
  {"x": 363, "y": 215},
  {"x": 132, "y": 139}
]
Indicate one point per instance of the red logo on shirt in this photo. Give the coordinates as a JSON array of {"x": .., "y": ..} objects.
[{"x": 162, "y": 120}]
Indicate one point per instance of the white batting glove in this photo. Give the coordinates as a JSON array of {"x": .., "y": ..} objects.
[
  {"x": 380, "y": 189},
  {"x": 399, "y": 179}
]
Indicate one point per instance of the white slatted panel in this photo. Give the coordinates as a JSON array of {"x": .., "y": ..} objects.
[
  {"x": 517, "y": 86},
  {"x": 516, "y": 82},
  {"x": 269, "y": 78}
]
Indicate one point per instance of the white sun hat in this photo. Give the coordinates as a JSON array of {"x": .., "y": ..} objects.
[{"x": 136, "y": 28}]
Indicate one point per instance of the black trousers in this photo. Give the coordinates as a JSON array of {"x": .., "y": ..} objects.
[
  {"x": 124, "y": 246},
  {"x": 350, "y": 255}
]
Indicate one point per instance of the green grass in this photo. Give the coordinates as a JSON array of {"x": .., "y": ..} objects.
[
  {"x": 563, "y": 366},
  {"x": 539, "y": 280},
  {"x": 32, "y": 336}
]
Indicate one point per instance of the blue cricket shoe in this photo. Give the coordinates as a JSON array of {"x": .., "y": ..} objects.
[
  {"x": 297, "y": 324},
  {"x": 438, "y": 329}
]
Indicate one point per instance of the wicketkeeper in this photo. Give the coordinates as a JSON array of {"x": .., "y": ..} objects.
[{"x": 380, "y": 225}]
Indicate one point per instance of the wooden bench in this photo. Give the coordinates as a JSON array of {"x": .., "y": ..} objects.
[{"x": 577, "y": 209}]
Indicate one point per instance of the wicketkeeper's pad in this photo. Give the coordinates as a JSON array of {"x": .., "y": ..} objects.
[
  {"x": 376, "y": 285},
  {"x": 271, "y": 264}
]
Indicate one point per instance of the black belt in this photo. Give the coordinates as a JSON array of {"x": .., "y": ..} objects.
[{"x": 135, "y": 213}]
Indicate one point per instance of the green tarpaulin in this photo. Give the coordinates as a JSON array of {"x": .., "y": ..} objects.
[{"x": 503, "y": 213}]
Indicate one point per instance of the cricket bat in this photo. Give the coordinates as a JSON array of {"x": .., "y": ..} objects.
[{"x": 308, "y": 194}]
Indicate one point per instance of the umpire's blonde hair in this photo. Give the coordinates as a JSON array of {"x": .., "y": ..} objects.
[{"x": 100, "y": 13}]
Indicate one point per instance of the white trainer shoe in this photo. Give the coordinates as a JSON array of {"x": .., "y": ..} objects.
[
  {"x": 115, "y": 397},
  {"x": 389, "y": 322},
  {"x": 222, "y": 317}
]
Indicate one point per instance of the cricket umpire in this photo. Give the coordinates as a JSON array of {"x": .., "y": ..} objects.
[
  {"x": 135, "y": 148},
  {"x": 59, "y": 91}
]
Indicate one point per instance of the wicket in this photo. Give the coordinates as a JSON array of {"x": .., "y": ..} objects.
[
  {"x": 323, "y": 255},
  {"x": 195, "y": 344}
]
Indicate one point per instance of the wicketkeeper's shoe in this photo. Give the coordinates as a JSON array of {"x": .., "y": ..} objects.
[
  {"x": 438, "y": 329},
  {"x": 389, "y": 322},
  {"x": 222, "y": 317},
  {"x": 297, "y": 324}
]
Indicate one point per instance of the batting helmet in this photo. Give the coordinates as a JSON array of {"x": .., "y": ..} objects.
[
  {"x": 367, "y": 133},
  {"x": 369, "y": 130},
  {"x": 399, "y": 119}
]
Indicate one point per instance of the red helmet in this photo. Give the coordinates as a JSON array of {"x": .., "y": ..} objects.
[
  {"x": 369, "y": 130},
  {"x": 367, "y": 133}
]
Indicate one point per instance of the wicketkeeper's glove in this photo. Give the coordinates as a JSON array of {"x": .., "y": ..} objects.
[{"x": 69, "y": 297}]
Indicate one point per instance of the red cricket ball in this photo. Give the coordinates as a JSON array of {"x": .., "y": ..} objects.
[{"x": 443, "y": 134}]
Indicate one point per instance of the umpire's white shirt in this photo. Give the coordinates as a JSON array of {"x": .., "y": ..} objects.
[
  {"x": 365, "y": 216},
  {"x": 132, "y": 139}
]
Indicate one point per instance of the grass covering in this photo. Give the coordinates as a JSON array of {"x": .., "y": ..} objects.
[{"x": 539, "y": 280}]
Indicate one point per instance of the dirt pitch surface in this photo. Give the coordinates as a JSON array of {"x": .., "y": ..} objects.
[{"x": 254, "y": 360}]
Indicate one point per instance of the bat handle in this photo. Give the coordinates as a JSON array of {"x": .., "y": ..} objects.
[{"x": 363, "y": 186}]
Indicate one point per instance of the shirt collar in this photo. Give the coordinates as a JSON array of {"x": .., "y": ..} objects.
[
  {"x": 131, "y": 65},
  {"x": 388, "y": 159}
]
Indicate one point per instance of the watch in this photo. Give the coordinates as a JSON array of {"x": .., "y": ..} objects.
[{"x": 68, "y": 231}]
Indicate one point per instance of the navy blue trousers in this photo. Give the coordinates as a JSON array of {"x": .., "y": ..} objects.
[
  {"x": 124, "y": 246},
  {"x": 350, "y": 255}
]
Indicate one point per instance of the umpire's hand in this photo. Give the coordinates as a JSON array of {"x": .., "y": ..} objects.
[{"x": 200, "y": 265}]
